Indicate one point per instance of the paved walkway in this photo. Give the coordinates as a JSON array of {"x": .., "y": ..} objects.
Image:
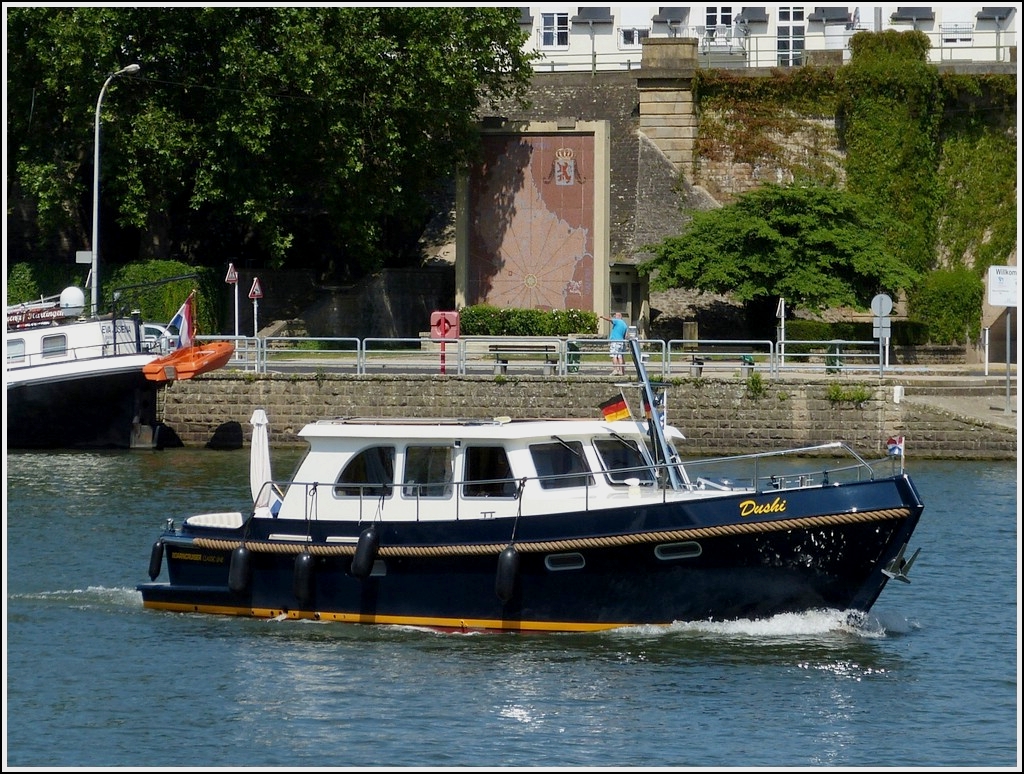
[
  {"x": 988, "y": 409},
  {"x": 964, "y": 390},
  {"x": 997, "y": 405}
]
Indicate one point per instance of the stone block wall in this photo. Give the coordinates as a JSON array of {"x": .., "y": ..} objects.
[{"x": 718, "y": 416}]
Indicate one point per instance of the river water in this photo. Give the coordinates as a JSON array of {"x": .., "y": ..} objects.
[{"x": 94, "y": 680}]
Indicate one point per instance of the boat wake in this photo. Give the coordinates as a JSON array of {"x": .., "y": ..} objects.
[
  {"x": 785, "y": 626},
  {"x": 87, "y": 598}
]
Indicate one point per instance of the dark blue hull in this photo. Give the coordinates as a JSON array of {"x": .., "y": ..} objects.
[
  {"x": 728, "y": 558},
  {"x": 90, "y": 412}
]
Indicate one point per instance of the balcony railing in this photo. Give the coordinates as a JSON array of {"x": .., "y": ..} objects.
[{"x": 734, "y": 47}]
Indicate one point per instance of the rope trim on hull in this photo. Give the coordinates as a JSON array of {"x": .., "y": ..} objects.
[{"x": 547, "y": 546}]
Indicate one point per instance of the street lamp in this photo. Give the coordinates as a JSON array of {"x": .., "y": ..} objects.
[{"x": 132, "y": 68}]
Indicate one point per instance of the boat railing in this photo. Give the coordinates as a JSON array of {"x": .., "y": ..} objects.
[{"x": 792, "y": 469}]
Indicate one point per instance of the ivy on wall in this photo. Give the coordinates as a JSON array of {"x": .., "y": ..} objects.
[{"x": 936, "y": 152}]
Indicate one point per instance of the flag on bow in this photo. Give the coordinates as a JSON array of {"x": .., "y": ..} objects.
[
  {"x": 182, "y": 324},
  {"x": 895, "y": 446},
  {"x": 615, "y": 408}
]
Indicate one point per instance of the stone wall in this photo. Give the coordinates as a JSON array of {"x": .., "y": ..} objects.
[{"x": 718, "y": 416}]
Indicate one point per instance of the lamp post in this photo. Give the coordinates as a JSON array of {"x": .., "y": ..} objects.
[{"x": 95, "y": 273}]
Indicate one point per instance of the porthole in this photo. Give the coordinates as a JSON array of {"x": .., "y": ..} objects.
[
  {"x": 670, "y": 551},
  {"x": 556, "y": 562}
]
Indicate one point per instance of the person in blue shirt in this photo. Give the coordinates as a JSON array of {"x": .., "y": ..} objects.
[{"x": 617, "y": 343}]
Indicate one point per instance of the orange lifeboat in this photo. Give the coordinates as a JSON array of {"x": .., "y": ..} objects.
[{"x": 190, "y": 361}]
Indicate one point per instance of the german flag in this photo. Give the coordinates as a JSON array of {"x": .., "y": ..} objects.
[{"x": 615, "y": 409}]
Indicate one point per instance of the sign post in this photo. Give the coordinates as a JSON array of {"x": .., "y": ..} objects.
[
  {"x": 1004, "y": 290},
  {"x": 444, "y": 327},
  {"x": 780, "y": 312},
  {"x": 881, "y": 305},
  {"x": 232, "y": 279},
  {"x": 255, "y": 293}
]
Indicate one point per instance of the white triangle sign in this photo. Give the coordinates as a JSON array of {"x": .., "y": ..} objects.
[{"x": 257, "y": 291}]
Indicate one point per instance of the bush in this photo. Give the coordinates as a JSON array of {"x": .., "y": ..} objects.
[
  {"x": 484, "y": 320},
  {"x": 950, "y": 299},
  {"x": 160, "y": 302},
  {"x": 33, "y": 281}
]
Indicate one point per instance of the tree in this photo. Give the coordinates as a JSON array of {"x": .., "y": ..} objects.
[
  {"x": 296, "y": 136},
  {"x": 816, "y": 247}
]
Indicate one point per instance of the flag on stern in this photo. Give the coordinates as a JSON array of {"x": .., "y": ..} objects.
[
  {"x": 895, "y": 446},
  {"x": 659, "y": 404},
  {"x": 182, "y": 325},
  {"x": 615, "y": 408}
]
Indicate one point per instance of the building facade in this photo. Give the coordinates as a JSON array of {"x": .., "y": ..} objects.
[{"x": 574, "y": 38}]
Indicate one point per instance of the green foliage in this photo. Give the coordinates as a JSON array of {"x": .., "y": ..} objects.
[
  {"x": 890, "y": 110},
  {"x": 950, "y": 300},
  {"x": 307, "y": 136},
  {"x": 756, "y": 387},
  {"x": 485, "y": 320},
  {"x": 32, "y": 281},
  {"x": 816, "y": 247},
  {"x": 858, "y": 394},
  {"x": 159, "y": 302},
  {"x": 754, "y": 120},
  {"x": 978, "y": 185},
  {"x": 903, "y": 332}
]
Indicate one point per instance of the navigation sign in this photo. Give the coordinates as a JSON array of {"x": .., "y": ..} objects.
[
  {"x": 1003, "y": 289},
  {"x": 232, "y": 276},
  {"x": 444, "y": 326},
  {"x": 256, "y": 291}
]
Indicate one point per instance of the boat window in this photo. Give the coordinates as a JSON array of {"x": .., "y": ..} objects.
[
  {"x": 370, "y": 473},
  {"x": 16, "y": 351},
  {"x": 428, "y": 471},
  {"x": 55, "y": 345},
  {"x": 557, "y": 460},
  {"x": 623, "y": 460},
  {"x": 488, "y": 473},
  {"x": 573, "y": 561}
]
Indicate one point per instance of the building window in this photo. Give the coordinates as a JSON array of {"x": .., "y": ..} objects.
[
  {"x": 717, "y": 15},
  {"x": 632, "y": 37},
  {"x": 554, "y": 30},
  {"x": 791, "y": 36}
]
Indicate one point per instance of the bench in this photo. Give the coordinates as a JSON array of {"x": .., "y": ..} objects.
[
  {"x": 746, "y": 363},
  {"x": 502, "y": 352}
]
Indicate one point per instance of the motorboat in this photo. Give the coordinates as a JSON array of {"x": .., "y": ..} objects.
[
  {"x": 564, "y": 525},
  {"x": 76, "y": 382},
  {"x": 189, "y": 362}
]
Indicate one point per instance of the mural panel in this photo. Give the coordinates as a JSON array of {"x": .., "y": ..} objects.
[{"x": 531, "y": 235}]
